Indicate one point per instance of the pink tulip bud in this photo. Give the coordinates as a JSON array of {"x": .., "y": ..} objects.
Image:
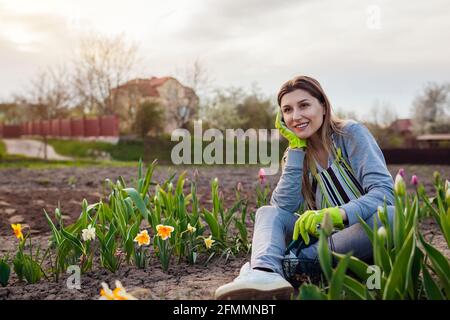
[
  {"x": 262, "y": 176},
  {"x": 196, "y": 174},
  {"x": 402, "y": 172},
  {"x": 414, "y": 180},
  {"x": 239, "y": 187}
]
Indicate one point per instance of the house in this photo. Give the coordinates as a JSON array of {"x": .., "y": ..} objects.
[
  {"x": 404, "y": 127},
  {"x": 434, "y": 140},
  {"x": 180, "y": 103}
]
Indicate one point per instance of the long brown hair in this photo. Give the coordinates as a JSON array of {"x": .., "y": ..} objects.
[{"x": 331, "y": 124}]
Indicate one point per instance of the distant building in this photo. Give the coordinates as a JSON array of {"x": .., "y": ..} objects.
[
  {"x": 404, "y": 127},
  {"x": 434, "y": 140},
  {"x": 180, "y": 103}
]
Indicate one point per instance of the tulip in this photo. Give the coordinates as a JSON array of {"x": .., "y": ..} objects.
[
  {"x": 262, "y": 176},
  {"x": 402, "y": 172},
  {"x": 399, "y": 185},
  {"x": 447, "y": 197},
  {"x": 414, "y": 180},
  {"x": 382, "y": 234}
]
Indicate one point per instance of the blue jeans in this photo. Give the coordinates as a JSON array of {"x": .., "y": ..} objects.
[{"x": 273, "y": 231}]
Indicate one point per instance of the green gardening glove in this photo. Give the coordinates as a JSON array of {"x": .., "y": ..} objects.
[
  {"x": 294, "y": 141},
  {"x": 308, "y": 221}
]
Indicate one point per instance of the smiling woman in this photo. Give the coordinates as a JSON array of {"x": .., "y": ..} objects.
[{"x": 353, "y": 182}]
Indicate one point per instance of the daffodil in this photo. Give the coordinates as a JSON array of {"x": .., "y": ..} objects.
[
  {"x": 17, "y": 228},
  {"x": 209, "y": 242},
  {"x": 88, "y": 233},
  {"x": 142, "y": 238},
  {"x": 119, "y": 293},
  {"x": 190, "y": 228},
  {"x": 164, "y": 231}
]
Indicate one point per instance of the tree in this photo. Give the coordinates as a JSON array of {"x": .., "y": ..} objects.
[
  {"x": 197, "y": 77},
  {"x": 149, "y": 118},
  {"x": 221, "y": 110},
  {"x": 382, "y": 114},
  {"x": 48, "y": 95},
  {"x": 102, "y": 64},
  {"x": 257, "y": 111},
  {"x": 431, "y": 109}
]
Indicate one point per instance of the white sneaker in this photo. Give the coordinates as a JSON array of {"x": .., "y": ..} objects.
[{"x": 255, "y": 284}]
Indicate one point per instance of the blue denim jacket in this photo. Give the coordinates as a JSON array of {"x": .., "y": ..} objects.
[{"x": 363, "y": 154}]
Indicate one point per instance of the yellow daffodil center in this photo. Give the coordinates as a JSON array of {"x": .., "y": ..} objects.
[
  {"x": 142, "y": 238},
  {"x": 164, "y": 231}
]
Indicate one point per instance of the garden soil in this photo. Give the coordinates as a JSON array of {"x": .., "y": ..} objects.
[{"x": 25, "y": 193}]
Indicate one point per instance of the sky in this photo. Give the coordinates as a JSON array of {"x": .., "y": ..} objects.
[{"x": 362, "y": 52}]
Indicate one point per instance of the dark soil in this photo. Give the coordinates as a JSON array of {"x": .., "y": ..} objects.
[{"x": 24, "y": 193}]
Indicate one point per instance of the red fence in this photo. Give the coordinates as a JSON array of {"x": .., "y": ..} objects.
[{"x": 105, "y": 126}]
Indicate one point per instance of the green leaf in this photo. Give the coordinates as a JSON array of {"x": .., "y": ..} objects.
[
  {"x": 401, "y": 271},
  {"x": 55, "y": 231},
  {"x": 357, "y": 266},
  {"x": 431, "y": 288},
  {"x": 135, "y": 196},
  {"x": 311, "y": 292},
  {"x": 325, "y": 255},
  {"x": 337, "y": 280},
  {"x": 355, "y": 289},
  {"x": 148, "y": 178},
  {"x": 366, "y": 228},
  {"x": 76, "y": 243},
  {"x": 440, "y": 264},
  {"x": 212, "y": 223},
  {"x": 5, "y": 271}
]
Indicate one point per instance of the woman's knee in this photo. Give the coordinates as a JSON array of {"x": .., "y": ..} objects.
[{"x": 269, "y": 211}]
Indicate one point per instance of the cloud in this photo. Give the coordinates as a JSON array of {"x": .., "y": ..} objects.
[{"x": 264, "y": 41}]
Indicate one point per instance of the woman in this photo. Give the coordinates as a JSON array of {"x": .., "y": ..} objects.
[{"x": 331, "y": 165}]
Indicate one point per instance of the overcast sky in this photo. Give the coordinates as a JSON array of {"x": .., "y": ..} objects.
[{"x": 360, "y": 51}]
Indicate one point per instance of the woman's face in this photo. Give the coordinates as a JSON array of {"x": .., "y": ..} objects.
[{"x": 302, "y": 113}]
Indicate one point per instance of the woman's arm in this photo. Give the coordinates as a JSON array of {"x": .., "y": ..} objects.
[
  {"x": 369, "y": 166},
  {"x": 288, "y": 192}
]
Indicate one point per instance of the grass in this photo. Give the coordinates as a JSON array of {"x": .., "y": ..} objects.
[{"x": 123, "y": 151}]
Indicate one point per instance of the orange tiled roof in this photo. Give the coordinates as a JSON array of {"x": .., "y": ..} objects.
[{"x": 145, "y": 86}]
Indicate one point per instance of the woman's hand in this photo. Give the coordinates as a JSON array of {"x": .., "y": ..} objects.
[
  {"x": 294, "y": 141},
  {"x": 308, "y": 221}
]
